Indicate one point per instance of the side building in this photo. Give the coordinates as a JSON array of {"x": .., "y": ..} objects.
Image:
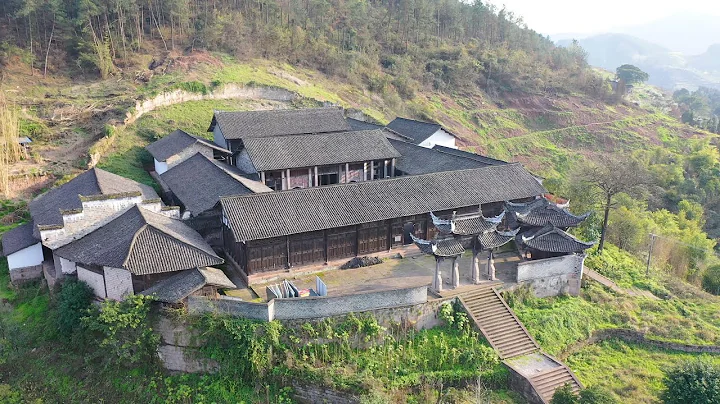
[
  {"x": 424, "y": 134},
  {"x": 278, "y": 230}
]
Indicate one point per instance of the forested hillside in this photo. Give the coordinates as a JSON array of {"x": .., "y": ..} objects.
[{"x": 448, "y": 45}]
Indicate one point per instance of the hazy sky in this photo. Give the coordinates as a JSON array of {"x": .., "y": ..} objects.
[{"x": 583, "y": 16}]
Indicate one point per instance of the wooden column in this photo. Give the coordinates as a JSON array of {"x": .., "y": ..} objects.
[
  {"x": 284, "y": 179},
  {"x": 340, "y": 176},
  {"x": 385, "y": 168},
  {"x": 476, "y": 267},
  {"x": 365, "y": 166},
  {"x": 287, "y": 174},
  {"x": 372, "y": 170},
  {"x": 437, "y": 280},
  {"x": 392, "y": 167},
  {"x": 491, "y": 266},
  {"x": 455, "y": 272},
  {"x": 262, "y": 177},
  {"x": 317, "y": 183},
  {"x": 347, "y": 172},
  {"x": 310, "y": 177}
]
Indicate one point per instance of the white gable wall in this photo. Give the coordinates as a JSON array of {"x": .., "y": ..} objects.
[
  {"x": 65, "y": 266},
  {"x": 27, "y": 257},
  {"x": 160, "y": 166},
  {"x": 118, "y": 283},
  {"x": 94, "y": 280},
  {"x": 441, "y": 138}
]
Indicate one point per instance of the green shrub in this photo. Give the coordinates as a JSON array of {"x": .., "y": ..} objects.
[
  {"x": 124, "y": 331},
  {"x": 711, "y": 280},
  {"x": 695, "y": 382},
  {"x": 596, "y": 395},
  {"x": 564, "y": 395},
  {"x": 74, "y": 301}
]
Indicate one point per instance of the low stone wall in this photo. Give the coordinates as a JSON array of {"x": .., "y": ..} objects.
[
  {"x": 639, "y": 337},
  {"x": 552, "y": 276},
  {"x": 327, "y": 306},
  {"x": 307, "y": 394},
  {"x": 21, "y": 275},
  {"x": 231, "y": 306},
  {"x": 309, "y": 307},
  {"x": 521, "y": 385}
]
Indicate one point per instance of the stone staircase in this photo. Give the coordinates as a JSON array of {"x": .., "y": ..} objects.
[
  {"x": 497, "y": 322},
  {"x": 539, "y": 374}
]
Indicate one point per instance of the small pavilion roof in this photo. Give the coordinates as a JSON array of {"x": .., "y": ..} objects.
[
  {"x": 466, "y": 225},
  {"x": 552, "y": 214},
  {"x": 554, "y": 240},
  {"x": 442, "y": 247},
  {"x": 493, "y": 238}
]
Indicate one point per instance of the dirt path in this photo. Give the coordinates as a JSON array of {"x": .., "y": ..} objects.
[{"x": 615, "y": 288}]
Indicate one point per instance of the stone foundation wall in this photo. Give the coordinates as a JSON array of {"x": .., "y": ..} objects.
[
  {"x": 552, "y": 276},
  {"x": 521, "y": 385},
  {"x": 306, "y": 394},
  {"x": 21, "y": 275}
]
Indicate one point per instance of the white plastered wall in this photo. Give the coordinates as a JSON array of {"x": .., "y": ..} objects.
[
  {"x": 27, "y": 257},
  {"x": 118, "y": 283},
  {"x": 441, "y": 138},
  {"x": 94, "y": 280},
  {"x": 160, "y": 166}
]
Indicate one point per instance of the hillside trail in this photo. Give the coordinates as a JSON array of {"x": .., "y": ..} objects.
[{"x": 634, "y": 292}]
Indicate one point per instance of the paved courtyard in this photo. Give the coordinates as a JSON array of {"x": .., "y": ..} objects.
[{"x": 393, "y": 273}]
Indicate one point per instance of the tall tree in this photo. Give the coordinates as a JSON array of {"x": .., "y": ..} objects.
[
  {"x": 631, "y": 74},
  {"x": 614, "y": 176}
]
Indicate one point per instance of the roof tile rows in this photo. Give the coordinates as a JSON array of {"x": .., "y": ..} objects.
[
  {"x": 18, "y": 238},
  {"x": 418, "y": 131},
  {"x": 142, "y": 242},
  {"x": 273, "y": 214},
  {"x": 176, "y": 142},
  {"x": 417, "y": 160},
  {"x": 246, "y": 124},
  {"x": 198, "y": 183},
  {"x": 468, "y": 155},
  {"x": 184, "y": 283},
  {"x": 553, "y": 240},
  {"x": 45, "y": 209},
  {"x": 281, "y": 152}
]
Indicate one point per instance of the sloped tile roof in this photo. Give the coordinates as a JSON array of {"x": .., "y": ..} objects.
[
  {"x": 553, "y": 240},
  {"x": 494, "y": 238},
  {"x": 541, "y": 212},
  {"x": 18, "y": 238},
  {"x": 272, "y": 214},
  {"x": 418, "y": 131},
  {"x": 466, "y": 225},
  {"x": 356, "y": 124},
  {"x": 45, "y": 209},
  {"x": 417, "y": 160},
  {"x": 199, "y": 182},
  {"x": 176, "y": 142},
  {"x": 468, "y": 155},
  {"x": 142, "y": 242},
  {"x": 444, "y": 247},
  {"x": 181, "y": 285},
  {"x": 246, "y": 124},
  {"x": 299, "y": 151}
]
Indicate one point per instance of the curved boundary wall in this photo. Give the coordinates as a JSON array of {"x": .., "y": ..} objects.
[{"x": 309, "y": 307}]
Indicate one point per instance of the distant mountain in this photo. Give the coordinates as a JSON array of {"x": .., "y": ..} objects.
[
  {"x": 687, "y": 33},
  {"x": 708, "y": 61},
  {"x": 666, "y": 68}
]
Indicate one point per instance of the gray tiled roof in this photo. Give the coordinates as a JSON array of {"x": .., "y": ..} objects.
[
  {"x": 494, "y": 238},
  {"x": 418, "y": 131},
  {"x": 18, "y": 238},
  {"x": 417, "y": 160},
  {"x": 245, "y": 124},
  {"x": 444, "y": 247},
  {"x": 298, "y": 151},
  {"x": 142, "y": 242},
  {"x": 176, "y": 142},
  {"x": 356, "y": 124},
  {"x": 466, "y": 225},
  {"x": 198, "y": 183},
  {"x": 468, "y": 155},
  {"x": 45, "y": 209},
  {"x": 183, "y": 284},
  {"x": 541, "y": 212},
  {"x": 554, "y": 240},
  {"x": 272, "y": 214}
]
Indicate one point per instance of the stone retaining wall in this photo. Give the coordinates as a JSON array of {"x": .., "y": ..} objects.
[
  {"x": 21, "y": 275},
  {"x": 552, "y": 276}
]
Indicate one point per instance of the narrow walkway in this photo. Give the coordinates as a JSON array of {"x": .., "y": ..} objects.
[
  {"x": 519, "y": 351},
  {"x": 614, "y": 286}
]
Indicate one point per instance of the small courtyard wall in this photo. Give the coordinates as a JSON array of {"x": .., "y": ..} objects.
[
  {"x": 94, "y": 280},
  {"x": 552, "y": 276},
  {"x": 310, "y": 307}
]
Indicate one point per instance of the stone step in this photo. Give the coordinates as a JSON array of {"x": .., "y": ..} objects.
[
  {"x": 557, "y": 378},
  {"x": 548, "y": 373},
  {"x": 498, "y": 326},
  {"x": 526, "y": 349}
]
